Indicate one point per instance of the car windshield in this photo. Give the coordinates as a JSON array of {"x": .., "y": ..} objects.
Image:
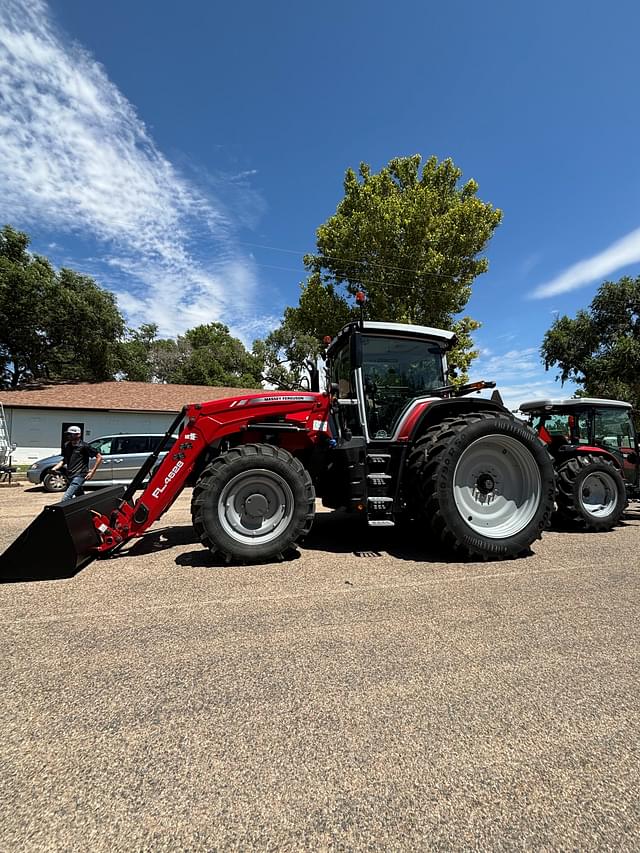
[{"x": 395, "y": 370}]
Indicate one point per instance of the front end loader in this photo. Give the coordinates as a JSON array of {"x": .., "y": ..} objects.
[{"x": 387, "y": 440}]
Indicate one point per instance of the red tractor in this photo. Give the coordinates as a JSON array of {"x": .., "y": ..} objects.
[
  {"x": 595, "y": 449},
  {"x": 387, "y": 439}
]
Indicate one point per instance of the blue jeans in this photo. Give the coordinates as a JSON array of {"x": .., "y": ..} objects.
[{"x": 74, "y": 489}]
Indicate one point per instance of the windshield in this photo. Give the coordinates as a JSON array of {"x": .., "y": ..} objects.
[{"x": 395, "y": 370}]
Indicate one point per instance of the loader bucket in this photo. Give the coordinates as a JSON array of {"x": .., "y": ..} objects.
[{"x": 60, "y": 541}]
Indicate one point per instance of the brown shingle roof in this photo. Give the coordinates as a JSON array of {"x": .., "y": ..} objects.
[{"x": 118, "y": 396}]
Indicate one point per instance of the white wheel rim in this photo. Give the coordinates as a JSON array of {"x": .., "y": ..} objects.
[
  {"x": 497, "y": 486},
  {"x": 255, "y": 506},
  {"x": 598, "y": 494}
]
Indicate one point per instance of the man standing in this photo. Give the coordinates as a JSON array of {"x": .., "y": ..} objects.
[{"x": 75, "y": 458}]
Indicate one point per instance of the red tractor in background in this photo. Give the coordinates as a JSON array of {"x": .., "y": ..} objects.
[
  {"x": 388, "y": 439},
  {"x": 595, "y": 449}
]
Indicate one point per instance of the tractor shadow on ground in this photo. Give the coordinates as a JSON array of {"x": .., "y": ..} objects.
[
  {"x": 332, "y": 532},
  {"x": 157, "y": 541},
  {"x": 631, "y": 514},
  {"x": 630, "y": 518},
  {"x": 342, "y": 533},
  {"x": 161, "y": 540}
]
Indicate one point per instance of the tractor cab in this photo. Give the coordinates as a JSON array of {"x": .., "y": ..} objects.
[
  {"x": 376, "y": 370},
  {"x": 588, "y": 425}
]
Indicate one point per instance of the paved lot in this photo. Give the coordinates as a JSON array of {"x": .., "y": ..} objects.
[{"x": 336, "y": 701}]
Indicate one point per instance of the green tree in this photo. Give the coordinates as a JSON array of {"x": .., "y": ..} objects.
[
  {"x": 53, "y": 325},
  {"x": 210, "y": 355},
  {"x": 136, "y": 353},
  {"x": 410, "y": 237},
  {"x": 599, "y": 348},
  {"x": 290, "y": 350}
]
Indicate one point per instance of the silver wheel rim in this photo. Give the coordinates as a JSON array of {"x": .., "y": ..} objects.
[
  {"x": 256, "y": 506},
  {"x": 56, "y": 482},
  {"x": 598, "y": 494},
  {"x": 497, "y": 486}
]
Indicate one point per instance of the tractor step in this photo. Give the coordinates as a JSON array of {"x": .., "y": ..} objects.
[
  {"x": 380, "y": 503},
  {"x": 378, "y": 458},
  {"x": 378, "y": 478},
  {"x": 379, "y": 512}
]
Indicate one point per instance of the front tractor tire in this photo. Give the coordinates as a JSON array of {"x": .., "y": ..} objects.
[
  {"x": 253, "y": 504},
  {"x": 591, "y": 493},
  {"x": 483, "y": 484}
]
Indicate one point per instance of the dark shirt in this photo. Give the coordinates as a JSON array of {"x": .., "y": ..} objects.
[{"x": 76, "y": 457}]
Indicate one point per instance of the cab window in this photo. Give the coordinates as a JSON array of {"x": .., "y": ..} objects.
[
  {"x": 613, "y": 428},
  {"x": 341, "y": 374},
  {"x": 564, "y": 427},
  {"x": 342, "y": 377}
]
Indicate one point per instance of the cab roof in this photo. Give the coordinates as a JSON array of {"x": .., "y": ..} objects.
[
  {"x": 446, "y": 338},
  {"x": 571, "y": 403}
]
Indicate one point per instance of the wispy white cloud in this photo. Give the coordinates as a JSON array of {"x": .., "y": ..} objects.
[
  {"x": 530, "y": 263},
  {"x": 618, "y": 255},
  {"x": 519, "y": 376},
  {"x": 74, "y": 156},
  {"x": 513, "y": 364}
]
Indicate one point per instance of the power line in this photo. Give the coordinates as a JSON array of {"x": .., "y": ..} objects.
[
  {"x": 350, "y": 261},
  {"x": 363, "y": 281}
]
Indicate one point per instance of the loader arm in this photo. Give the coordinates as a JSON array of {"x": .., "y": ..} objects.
[{"x": 204, "y": 425}]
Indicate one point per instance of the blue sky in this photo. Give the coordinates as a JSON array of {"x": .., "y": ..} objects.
[{"x": 185, "y": 154}]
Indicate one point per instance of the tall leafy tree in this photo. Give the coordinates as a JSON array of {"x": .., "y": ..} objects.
[
  {"x": 53, "y": 325},
  {"x": 411, "y": 237},
  {"x": 136, "y": 353},
  {"x": 210, "y": 355},
  {"x": 599, "y": 348}
]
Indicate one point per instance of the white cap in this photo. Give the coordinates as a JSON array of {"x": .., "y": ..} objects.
[{"x": 74, "y": 430}]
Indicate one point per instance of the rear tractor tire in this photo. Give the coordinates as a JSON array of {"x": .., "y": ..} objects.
[
  {"x": 253, "y": 503},
  {"x": 591, "y": 493},
  {"x": 483, "y": 484}
]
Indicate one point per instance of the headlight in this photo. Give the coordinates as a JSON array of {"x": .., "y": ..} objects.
[{"x": 34, "y": 466}]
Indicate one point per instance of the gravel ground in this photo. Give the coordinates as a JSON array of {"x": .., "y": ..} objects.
[{"x": 364, "y": 696}]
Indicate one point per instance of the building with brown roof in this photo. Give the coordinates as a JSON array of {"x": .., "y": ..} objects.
[{"x": 37, "y": 417}]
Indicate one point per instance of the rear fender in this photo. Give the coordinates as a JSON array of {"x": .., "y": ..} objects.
[
  {"x": 424, "y": 414},
  {"x": 595, "y": 451}
]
